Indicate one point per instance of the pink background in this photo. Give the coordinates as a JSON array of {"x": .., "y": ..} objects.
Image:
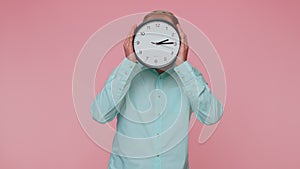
[{"x": 258, "y": 42}]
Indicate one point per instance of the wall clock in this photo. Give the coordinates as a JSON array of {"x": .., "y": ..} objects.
[{"x": 156, "y": 43}]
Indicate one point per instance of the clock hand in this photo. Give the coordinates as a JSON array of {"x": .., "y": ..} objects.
[
  {"x": 157, "y": 43},
  {"x": 165, "y": 43}
]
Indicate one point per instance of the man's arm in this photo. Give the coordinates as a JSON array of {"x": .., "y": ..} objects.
[
  {"x": 110, "y": 100},
  {"x": 207, "y": 108}
]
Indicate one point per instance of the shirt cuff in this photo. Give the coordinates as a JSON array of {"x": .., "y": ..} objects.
[
  {"x": 185, "y": 72},
  {"x": 125, "y": 69}
]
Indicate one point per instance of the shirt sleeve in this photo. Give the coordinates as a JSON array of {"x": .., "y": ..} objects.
[
  {"x": 205, "y": 105},
  {"x": 110, "y": 99}
]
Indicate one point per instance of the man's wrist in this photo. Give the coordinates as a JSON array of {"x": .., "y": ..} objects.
[
  {"x": 131, "y": 57},
  {"x": 179, "y": 60}
]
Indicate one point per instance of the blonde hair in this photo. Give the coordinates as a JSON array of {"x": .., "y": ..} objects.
[{"x": 164, "y": 12}]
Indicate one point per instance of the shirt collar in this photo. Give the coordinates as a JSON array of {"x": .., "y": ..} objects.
[{"x": 170, "y": 69}]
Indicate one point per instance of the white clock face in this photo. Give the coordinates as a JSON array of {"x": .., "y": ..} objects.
[{"x": 156, "y": 43}]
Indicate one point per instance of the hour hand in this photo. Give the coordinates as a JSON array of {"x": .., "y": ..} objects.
[
  {"x": 166, "y": 43},
  {"x": 157, "y": 43}
]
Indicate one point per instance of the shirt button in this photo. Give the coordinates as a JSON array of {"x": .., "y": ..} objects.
[
  {"x": 157, "y": 155},
  {"x": 157, "y": 134}
]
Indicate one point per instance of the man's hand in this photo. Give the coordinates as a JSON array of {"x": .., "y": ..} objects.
[
  {"x": 184, "y": 48},
  {"x": 127, "y": 45}
]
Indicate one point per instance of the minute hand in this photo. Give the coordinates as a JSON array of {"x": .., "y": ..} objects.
[
  {"x": 165, "y": 43},
  {"x": 159, "y": 42}
]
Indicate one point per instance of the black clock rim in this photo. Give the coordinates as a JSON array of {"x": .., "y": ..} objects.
[{"x": 139, "y": 27}]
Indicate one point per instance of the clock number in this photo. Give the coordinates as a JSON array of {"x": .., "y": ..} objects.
[
  {"x": 175, "y": 44},
  {"x": 166, "y": 28},
  {"x": 172, "y": 52},
  {"x": 173, "y": 34},
  {"x": 157, "y": 25},
  {"x": 137, "y": 42},
  {"x": 155, "y": 61},
  {"x": 148, "y": 27},
  {"x": 165, "y": 58},
  {"x": 147, "y": 57},
  {"x": 140, "y": 52},
  {"x": 142, "y": 33}
]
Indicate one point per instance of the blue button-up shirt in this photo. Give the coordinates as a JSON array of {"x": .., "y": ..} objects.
[{"x": 153, "y": 112}]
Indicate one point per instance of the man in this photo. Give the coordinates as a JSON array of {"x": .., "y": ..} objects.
[{"x": 153, "y": 107}]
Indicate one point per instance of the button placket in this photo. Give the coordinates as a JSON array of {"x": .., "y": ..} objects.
[{"x": 158, "y": 129}]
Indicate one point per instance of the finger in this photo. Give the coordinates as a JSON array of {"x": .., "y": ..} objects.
[
  {"x": 182, "y": 34},
  {"x": 186, "y": 41},
  {"x": 180, "y": 31},
  {"x": 129, "y": 33},
  {"x": 132, "y": 34},
  {"x": 129, "y": 38},
  {"x": 133, "y": 27}
]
